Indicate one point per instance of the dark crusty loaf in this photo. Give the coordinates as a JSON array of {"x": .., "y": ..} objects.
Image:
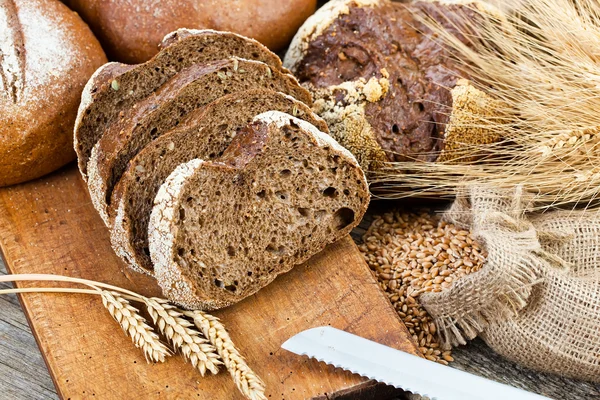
[
  {"x": 204, "y": 134},
  {"x": 382, "y": 80},
  {"x": 47, "y": 54},
  {"x": 116, "y": 87},
  {"x": 220, "y": 231},
  {"x": 143, "y": 122}
]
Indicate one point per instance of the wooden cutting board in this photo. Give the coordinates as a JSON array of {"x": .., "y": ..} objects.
[{"x": 50, "y": 226}]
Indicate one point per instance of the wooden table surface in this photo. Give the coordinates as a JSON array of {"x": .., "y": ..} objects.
[{"x": 23, "y": 374}]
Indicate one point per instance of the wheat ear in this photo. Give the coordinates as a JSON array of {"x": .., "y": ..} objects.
[
  {"x": 174, "y": 323},
  {"x": 542, "y": 69},
  {"x": 171, "y": 322},
  {"x": 135, "y": 326},
  {"x": 245, "y": 379}
]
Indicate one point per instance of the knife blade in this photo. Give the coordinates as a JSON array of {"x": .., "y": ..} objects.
[{"x": 397, "y": 368}]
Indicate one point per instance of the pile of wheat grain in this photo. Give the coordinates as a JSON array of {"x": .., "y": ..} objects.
[{"x": 412, "y": 254}]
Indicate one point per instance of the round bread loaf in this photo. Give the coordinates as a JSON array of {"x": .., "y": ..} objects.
[
  {"x": 386, "y": 87},
  {"x": 131, "y": 31},
  {"x": 47, "y": 54}
]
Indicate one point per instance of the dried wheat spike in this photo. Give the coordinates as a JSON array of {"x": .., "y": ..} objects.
[
  {"x": 171, "y": 322},
  {"x": 571, "y": 140},
  {"x": 245, "y": 379},
  {"x": 135, "y": 326}
]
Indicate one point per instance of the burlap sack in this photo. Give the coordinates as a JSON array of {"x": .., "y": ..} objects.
[{"x": 536, "y": 301}]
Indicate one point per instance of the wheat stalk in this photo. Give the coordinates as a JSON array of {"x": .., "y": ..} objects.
[
  {"x": 135, "y": 326},
  {"x": 177, "y": 325},
  {"x": 171, "y": 322},
  {"x": 245, "y": 379},
  {"x": 541, "y": 60}
]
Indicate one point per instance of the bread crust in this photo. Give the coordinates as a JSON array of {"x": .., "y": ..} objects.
[
  {"x": 465, "y": 131},
  {"x": 384, "y": 88},
  {"x": 316, "y": 24},
  {"x": 48, "y": 53},
  {"x": 132, "y": 30},
  {"x": 175, "y": 281}
]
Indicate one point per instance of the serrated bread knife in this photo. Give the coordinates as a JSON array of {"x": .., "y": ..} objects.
[{"x": 397, "y": 368}]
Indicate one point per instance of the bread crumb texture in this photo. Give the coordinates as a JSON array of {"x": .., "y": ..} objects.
[
  {"x": 162, "y": 234},
  {"x": 347, "y": 120},
  {"x": 222, "y": 230}
]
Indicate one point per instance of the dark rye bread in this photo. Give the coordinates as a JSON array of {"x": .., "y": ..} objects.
[
  {"x": 221, "y": 230},
  {"x": 205, "y": 133},
  {"x": 116, "y": 87},
  {"x": 192, "y": 88},
  {"x": 385, "y": 83}
]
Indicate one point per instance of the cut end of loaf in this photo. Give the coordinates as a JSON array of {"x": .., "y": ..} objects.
[
  {"x": 475, "y": 120},
  {"x": 316, "y": 24}
]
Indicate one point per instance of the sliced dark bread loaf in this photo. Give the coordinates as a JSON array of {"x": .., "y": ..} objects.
[
  {"x": 116, "y": 87},
  {"x": 193, "y": 87},
  {"x": 221, "y": 230},
  {"x": 205, "y": 134}
]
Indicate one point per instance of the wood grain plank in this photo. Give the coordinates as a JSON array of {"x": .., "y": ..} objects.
[
  {"x": 49, "y": 226},
  {"x": 20, "y": 381},
  {"x": 477, "y": 358},
  {"x": 23, "y": 373}
]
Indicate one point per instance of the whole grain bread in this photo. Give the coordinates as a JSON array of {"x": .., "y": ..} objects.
[
  {"x": 47, "y": 54},
  {"x": 383, "y": 81},
  {"x": 221, "y": 230},
  {"x": 205, "y": 134},
  {"x": 143, "y": 122},
  {"x": 115, "y": 87}
]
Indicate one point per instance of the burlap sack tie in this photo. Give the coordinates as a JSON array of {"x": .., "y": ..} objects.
[{"x": 537, "y": 298}]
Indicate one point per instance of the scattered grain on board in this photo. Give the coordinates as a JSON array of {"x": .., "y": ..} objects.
[{"x": 414, "y": 253}]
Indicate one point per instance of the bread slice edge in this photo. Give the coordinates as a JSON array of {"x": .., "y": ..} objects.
[{"x": 161, "y": 239}]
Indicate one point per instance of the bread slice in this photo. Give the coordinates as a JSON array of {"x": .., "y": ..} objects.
[
  {"x": 221, "y": 230},
  {"x": 193, "y": 87},
  {"x": 204, "y": 134},
  {"x": 116, "y": 87}
]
